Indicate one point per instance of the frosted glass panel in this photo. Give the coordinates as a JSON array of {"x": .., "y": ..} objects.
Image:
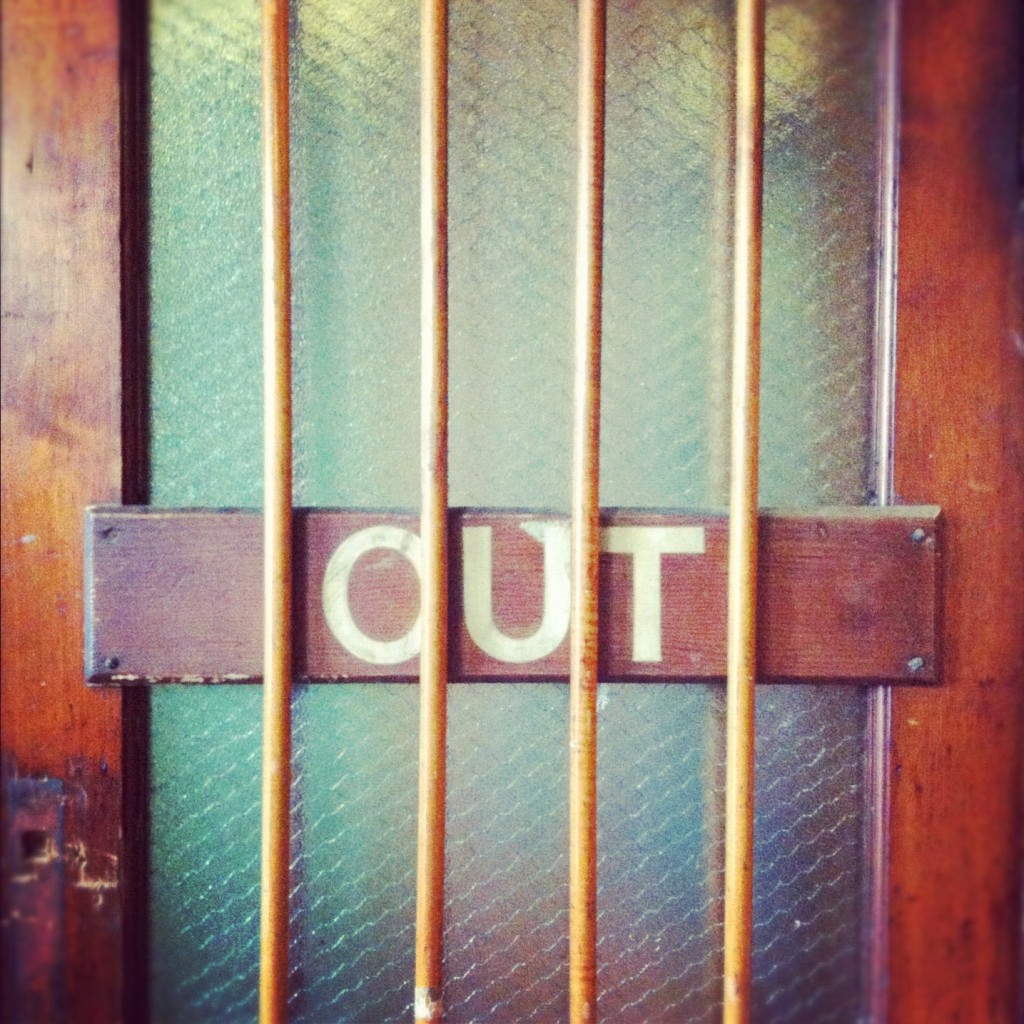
[{"x": 664, "y": 444}]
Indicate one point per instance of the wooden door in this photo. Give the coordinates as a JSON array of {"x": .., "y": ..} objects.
[{"x": 72, "y": 290}]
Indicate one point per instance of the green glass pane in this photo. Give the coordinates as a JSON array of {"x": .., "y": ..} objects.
[{"x": 664, "y": 442}]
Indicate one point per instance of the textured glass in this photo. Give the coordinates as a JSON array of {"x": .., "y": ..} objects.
[{"x": 664, "y": 443}]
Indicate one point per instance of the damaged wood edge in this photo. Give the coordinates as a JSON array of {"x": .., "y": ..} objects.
[{"x": 138, "y": 681}]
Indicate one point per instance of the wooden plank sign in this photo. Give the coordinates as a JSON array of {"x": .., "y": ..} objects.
[{"x": 844, "y": 595}]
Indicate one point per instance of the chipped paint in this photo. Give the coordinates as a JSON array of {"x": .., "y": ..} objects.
[
  {"x": 428, "y": 1005},
  {"x": 77, "y": 860},
  {"x": 193, "y": 680}
]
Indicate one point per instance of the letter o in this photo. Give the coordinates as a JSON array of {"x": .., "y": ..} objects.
[{"x": 335, "y": 595}]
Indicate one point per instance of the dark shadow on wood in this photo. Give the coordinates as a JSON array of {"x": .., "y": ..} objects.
[{"x": 135, "y": 364}]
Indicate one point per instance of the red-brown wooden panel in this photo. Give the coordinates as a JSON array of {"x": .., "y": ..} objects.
[
  {"x": 61, "y": 434},
  {"x": 845, "y": 594},
  {"x": 957, "y": 752}
]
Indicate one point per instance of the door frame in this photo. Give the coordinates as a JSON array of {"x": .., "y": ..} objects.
[{"x": 74, "y": 343}]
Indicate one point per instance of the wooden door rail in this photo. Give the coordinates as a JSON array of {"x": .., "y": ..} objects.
[{"x": 844, "y": 595}]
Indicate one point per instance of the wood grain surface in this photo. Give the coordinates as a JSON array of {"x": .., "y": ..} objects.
[
  {"x": 957, "y": 748},
  {"x": 956, "y": 859},
  {"x": 844, "y": 595},
  {"x": 61, "y": 450}
]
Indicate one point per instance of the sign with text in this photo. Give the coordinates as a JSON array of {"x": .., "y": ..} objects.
[{"x": 175, "y": 596}]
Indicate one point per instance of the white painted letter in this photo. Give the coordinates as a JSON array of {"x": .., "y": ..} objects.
[
  {"x": 477, "y": 582},
  {"x": 335, "y": 595},
  {"x": 647, "y": 544}
]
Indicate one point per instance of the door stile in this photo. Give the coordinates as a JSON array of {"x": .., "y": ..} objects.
[
  {"x": 62, "y": 449},
  {"x": 957, "y": 758}
]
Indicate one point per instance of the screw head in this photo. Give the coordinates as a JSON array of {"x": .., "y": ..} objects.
[
  {"x": 111, "y": 663},
  {"x": 915, "y": 664},
  {"x": 918, "y": 536}
]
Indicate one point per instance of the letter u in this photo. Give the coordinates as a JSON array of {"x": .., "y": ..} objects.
[{"x": 477, "y": 586}]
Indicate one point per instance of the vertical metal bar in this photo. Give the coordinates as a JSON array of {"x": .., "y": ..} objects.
[
  {"x": 434, "y": 507},
  {"x": 586, "y": 522},
  {"x": 879, "y": 724},
  {"x": 742, "y": 586},
  {"x": 277, "y": 517},
  {"x": 885, "y": 286}
]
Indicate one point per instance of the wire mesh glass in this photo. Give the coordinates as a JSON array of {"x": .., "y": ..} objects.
[{"x": 664, "y": 444}]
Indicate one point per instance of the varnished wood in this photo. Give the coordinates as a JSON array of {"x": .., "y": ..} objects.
[
  {"x": 433, "y": 508},
  {"x": 277, "y": 519},
  {"x": 955, "y": 905},
  {"x": 586, "y": 544},
  {"x": 955, "y": 868},
  {"x": 742, "y": 585},
  {"x": 61, "y": 450},
  {"x": 844, "y": 595}
]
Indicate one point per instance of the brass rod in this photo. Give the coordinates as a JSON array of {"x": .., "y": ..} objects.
[
  {"x": 277, "y": 519},
  {"x": 586, "y": 522},
  {"x": 741, "y": 657},
  {"x": 434, "y": 508}
]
